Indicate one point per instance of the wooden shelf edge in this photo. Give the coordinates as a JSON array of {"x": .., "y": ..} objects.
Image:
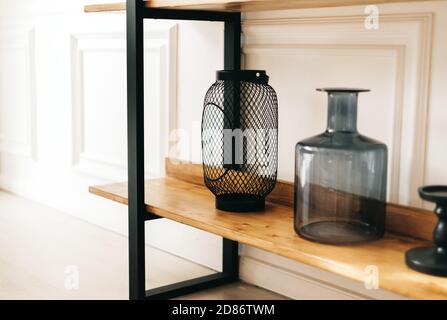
[
  {"x": 110, "y": 7},
  {"x": 192, "y": 204},
  {"x": 240, "y": 5}
]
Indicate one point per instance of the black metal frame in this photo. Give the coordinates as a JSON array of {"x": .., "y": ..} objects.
[{"x": 136, "y": 13}]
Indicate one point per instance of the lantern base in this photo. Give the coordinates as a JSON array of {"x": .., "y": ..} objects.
[{"x": 240, "y": 202}]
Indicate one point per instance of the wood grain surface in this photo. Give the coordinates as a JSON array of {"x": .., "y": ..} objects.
[
  {"x": 188, "y": 202},
  {"x": 407, "y": 221},
  {"x": 239, "y": 5}
]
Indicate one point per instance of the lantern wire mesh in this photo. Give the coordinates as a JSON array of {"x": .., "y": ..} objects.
[{"x": 240, "y": 168}]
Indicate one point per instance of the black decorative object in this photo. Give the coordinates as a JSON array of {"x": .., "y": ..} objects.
[
  {"x": 433, "y": 260},
  {"x": 340, "y": 178},
  {"x": 240, "y": 139}
]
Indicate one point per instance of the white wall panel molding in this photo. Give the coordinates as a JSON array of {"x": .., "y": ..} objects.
[
  {"x": 406, "y": 36},
  {"x": 18, "y": 93},
  {"x": 99, "y": 101},
  {"x": 394, "y": 52}
]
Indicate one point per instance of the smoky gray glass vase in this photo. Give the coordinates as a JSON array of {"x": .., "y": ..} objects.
[{"x": 340, "y": 178}]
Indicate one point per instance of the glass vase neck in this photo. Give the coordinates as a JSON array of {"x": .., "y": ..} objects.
[{"x": 342, "y": 109}]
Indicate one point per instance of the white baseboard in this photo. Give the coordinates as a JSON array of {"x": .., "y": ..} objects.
[{"x": 289, "y": 284}]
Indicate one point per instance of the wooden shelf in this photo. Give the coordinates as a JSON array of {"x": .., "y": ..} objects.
[
  {"x": 239, "y": 5},
  {"x": 185, "y": 200}
]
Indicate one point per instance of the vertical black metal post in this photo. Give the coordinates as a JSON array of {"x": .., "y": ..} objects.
[
  {"x": 232, "y": 61},
  {"x": 232, "y": 44},
  {"x": 135, "y": 140}
]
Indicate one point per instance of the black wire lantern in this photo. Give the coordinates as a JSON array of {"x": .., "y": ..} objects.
[{"x": 240, "y": 139}]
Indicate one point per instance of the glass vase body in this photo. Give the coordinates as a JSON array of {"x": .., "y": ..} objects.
[{"x": 340, "y": 178}]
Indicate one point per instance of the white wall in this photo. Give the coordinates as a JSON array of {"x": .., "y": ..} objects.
[
  {"x": 62, "y": 70},
  {"x": 403, "y": 63},
  {"x": 63, "y": 108}
]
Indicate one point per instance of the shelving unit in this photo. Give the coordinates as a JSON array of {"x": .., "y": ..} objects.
[{"x": 182, "y": 197}]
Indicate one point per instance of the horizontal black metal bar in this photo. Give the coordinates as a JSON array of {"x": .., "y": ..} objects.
[
  {"x": 200, "y": 15},
  {"x": 189, "y": 286},
  {"x": 148, "y": 216}
]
